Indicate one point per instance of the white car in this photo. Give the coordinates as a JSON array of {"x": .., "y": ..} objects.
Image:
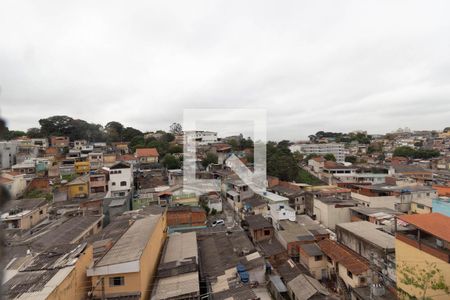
[{"x": 218, "y": 222}]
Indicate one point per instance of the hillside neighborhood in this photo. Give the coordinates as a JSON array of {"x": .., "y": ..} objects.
[{"x": 99, "y": 212}]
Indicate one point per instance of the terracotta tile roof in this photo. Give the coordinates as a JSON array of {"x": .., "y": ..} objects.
[
  {"x": 352, "y": 261},
  {"x": 126, "y": 157},
  {"x": 145, "y": 152},
  {"x": 433, "y": 223}
]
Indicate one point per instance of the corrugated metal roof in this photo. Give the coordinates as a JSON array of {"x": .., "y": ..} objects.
[{"x": 132, "y": 244}]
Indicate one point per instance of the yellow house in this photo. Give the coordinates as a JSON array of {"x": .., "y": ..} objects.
[
  {"x": 129, "y": 267},
  {"x": 78, "y": 188},
  {"x": 314, "y": 260},
  {"x": 82, "y": 167},
  {"x": 426, "y": 245}
]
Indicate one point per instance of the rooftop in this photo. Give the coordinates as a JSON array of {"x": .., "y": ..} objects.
[
  {"x": 353, "y": 262},
  {"x": 66, "y": 233},
  {"x": 257, "y": 222},
  {"x": 337, "y": 201},
  {"x": 270, "y": 247},
  {"x": 293, "y": 232},
  {"x": 433, "y": 223},
  {"x": 221, "y": 252},
  {"x": 311, "y": 249},
  {"x": 305, "y": 287},
  {"x": 132, "y": 243},
  {"x": 369, "y": 232},
  {"x": 177, "y": 272},
  {"x": 379, "y": 212},
  {"x": 145, "y": 152},
  {"x": 79, "y": 180},
  {"x": 181, "y": 246},
  {"x": 24, "y": 204}
]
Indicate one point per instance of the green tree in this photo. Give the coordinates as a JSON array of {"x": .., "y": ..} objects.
[
  {"x": 175, "y": 149},
  {"x": 34, "y": 132},
  {"x": 424, "y": 279},
  {"x": 351, "y": 159},
  {"x": 280, "y": 161},
  {"x": 171, "y": 162},
  {"x": 129, "y": 133},
  {"x": 209, "y": 159},
  {"x": 167, "y": 137},
  {"x": 12, "y": 134},
  {"x": 114, "y": 131},
  {"x": 245, "y": 143},
  {"x": 176, "y": 128},
  {"x": 329, "y": 156},
  {"x": 404, "y": 151},
  {"x": 306, "y": 177}
]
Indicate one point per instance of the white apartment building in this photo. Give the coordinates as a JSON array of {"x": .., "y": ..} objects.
[
  {"x": 336, "y": 149},
  {"x": 120, "y": 180},
  {"x": 200, "y": 137}
]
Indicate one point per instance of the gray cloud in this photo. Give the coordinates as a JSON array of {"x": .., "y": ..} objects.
[{"x": 314, "y": 66}]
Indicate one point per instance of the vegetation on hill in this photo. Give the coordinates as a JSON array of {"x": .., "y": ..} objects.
[{"x": 406, "y": 151}]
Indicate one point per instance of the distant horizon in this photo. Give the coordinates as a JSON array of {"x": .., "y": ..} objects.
[{"x": 298, "y": 139}]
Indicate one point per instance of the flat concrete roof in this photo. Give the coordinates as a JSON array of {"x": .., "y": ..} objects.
[{"x": 370, "y": 232}]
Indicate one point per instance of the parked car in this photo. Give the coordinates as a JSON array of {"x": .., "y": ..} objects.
[{"x": 218, "y": 222}]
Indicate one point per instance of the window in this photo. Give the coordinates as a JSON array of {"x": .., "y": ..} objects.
[
  {"x": 266, "y": 232},
  {"x": 421, "y": 206},
  {"x": 349, "y": 274},
  {"x": 318, "y": 257},
  {"x": 362, "y": 280},
  {"x": 116, "y": 281},
  {"x": 123, "y": 183},
  {"x": 80, "y": 188},
  {"x": 113, "y": 183},
  {"x": 41, "y": 212}
]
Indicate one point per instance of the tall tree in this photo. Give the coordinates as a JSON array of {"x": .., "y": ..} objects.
[
  {"x": 176, "y": 128},
  {"x": 114, "y": 131},
  {"x": 34, "y": 132}
]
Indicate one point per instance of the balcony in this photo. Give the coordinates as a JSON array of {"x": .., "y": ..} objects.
[{"x": 426, "y": 244}]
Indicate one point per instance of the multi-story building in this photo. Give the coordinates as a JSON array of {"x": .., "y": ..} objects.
[
  {"x": 399, "y": 198},
  {"x": 200, "y": 137},
  {"x": 129, "y": 267},
  {"x": 425, "y": 245},
  {"x": 336, "y": 149},
  {"x": 120, "y": 179},
  {"x": 59, "y": 141}
]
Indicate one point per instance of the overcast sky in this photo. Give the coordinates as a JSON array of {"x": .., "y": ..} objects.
[{"x": 314, "y": 65}]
